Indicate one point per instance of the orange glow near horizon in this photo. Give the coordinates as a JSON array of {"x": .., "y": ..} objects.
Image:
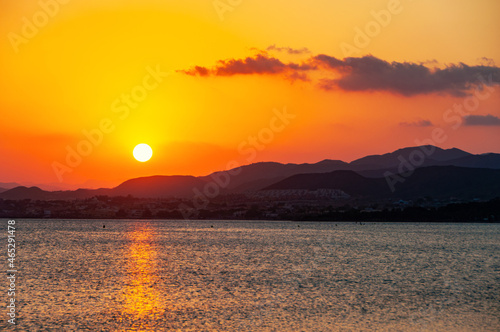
[{"x": 83, "y": 82}]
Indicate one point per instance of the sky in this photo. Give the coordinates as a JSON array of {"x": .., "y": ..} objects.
[{"x": 210, "y": 85}]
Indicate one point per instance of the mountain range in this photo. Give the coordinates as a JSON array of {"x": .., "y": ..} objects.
[
  {"x": 433, "y": 181},
  {"x": 436, "y": 172}
]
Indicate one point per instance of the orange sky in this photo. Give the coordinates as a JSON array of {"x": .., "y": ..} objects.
[{"x": 68, "y": 67}]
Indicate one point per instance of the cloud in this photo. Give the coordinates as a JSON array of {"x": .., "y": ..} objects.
[
  {"x": 196, "y": 71},
  {"x": 366, "y": 73},
  {"x": 482, "y": 120},
  {"x": 486, "y": 61},
  {"x": 369, "y": 73},
  {"x": 294, "y": 76},
  {"x": 419, "y": 123},
  {"x": 258, "y": 64},
  {"x": 289, "y": 50}
]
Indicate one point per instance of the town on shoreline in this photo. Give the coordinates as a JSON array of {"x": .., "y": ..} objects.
[{"x": 248, "y": 207}]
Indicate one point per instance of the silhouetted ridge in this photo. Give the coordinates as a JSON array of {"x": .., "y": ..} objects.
[
  {"x": 362, "y": 177},
  {"x": 432, "y": 156},
  {"x": 434, "y": 181},
  {"x": 347, "y": 181}
]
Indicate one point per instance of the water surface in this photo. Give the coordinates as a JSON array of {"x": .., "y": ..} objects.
[{"x": 256, "y": 276}]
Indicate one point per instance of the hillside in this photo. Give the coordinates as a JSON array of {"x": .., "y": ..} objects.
[{"x": 434, "y": 181}]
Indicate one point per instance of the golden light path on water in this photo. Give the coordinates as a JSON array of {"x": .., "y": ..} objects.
[{"x": 141, "y": 296}]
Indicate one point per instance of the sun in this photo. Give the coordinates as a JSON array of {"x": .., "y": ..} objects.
[{"x": 142, "y": 152}]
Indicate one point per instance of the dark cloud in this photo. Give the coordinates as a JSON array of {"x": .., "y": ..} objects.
[
  {"x": 366, "y": 73},
  {"x": 420, "y": 123},
  {"x": 294, "y": 76},
  {"x": 371, "y": 74},
  {"x": 259, "y": 64},
  {"x": 482, "y": 120},
  {"x": 289, "y": 50},
  {"x": 196, "y": 70},
  {"x": 330, "y": 61}
]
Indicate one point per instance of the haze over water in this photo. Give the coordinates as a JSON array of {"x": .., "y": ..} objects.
[{"x": 258, "y": 276}]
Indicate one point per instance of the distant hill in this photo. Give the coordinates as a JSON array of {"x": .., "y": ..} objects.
[
  {"x": 447, "y": 181},
  {"x": 146, "y": 187},
  {"x": 489, "y": 160},
  {"x": 258, "y": 175},
  {"x": 22, "y": 192},
  {"x": 434, "y": 181},
  {"x": 432, "y": 156},
  {"x": 348, "y": 181}
]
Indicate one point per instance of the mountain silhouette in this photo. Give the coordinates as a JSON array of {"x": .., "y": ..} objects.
[
  {"x": 432, "y": 155},
  {"x": 348, "y": 181},
  {"x": 145, "y": 187},
  {"x": 361, "y": 177},
  {"x": 258, "y": 175},
  {"x": 433, "y": 181}
]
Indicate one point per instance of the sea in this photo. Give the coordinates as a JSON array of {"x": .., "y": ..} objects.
[{"x": 165, "y": 275}]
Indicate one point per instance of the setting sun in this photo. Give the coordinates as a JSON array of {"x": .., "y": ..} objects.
[{"x": 143, "y": 152}]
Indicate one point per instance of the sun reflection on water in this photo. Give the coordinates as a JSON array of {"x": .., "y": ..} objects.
[{"x": 142, "y": 297}]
